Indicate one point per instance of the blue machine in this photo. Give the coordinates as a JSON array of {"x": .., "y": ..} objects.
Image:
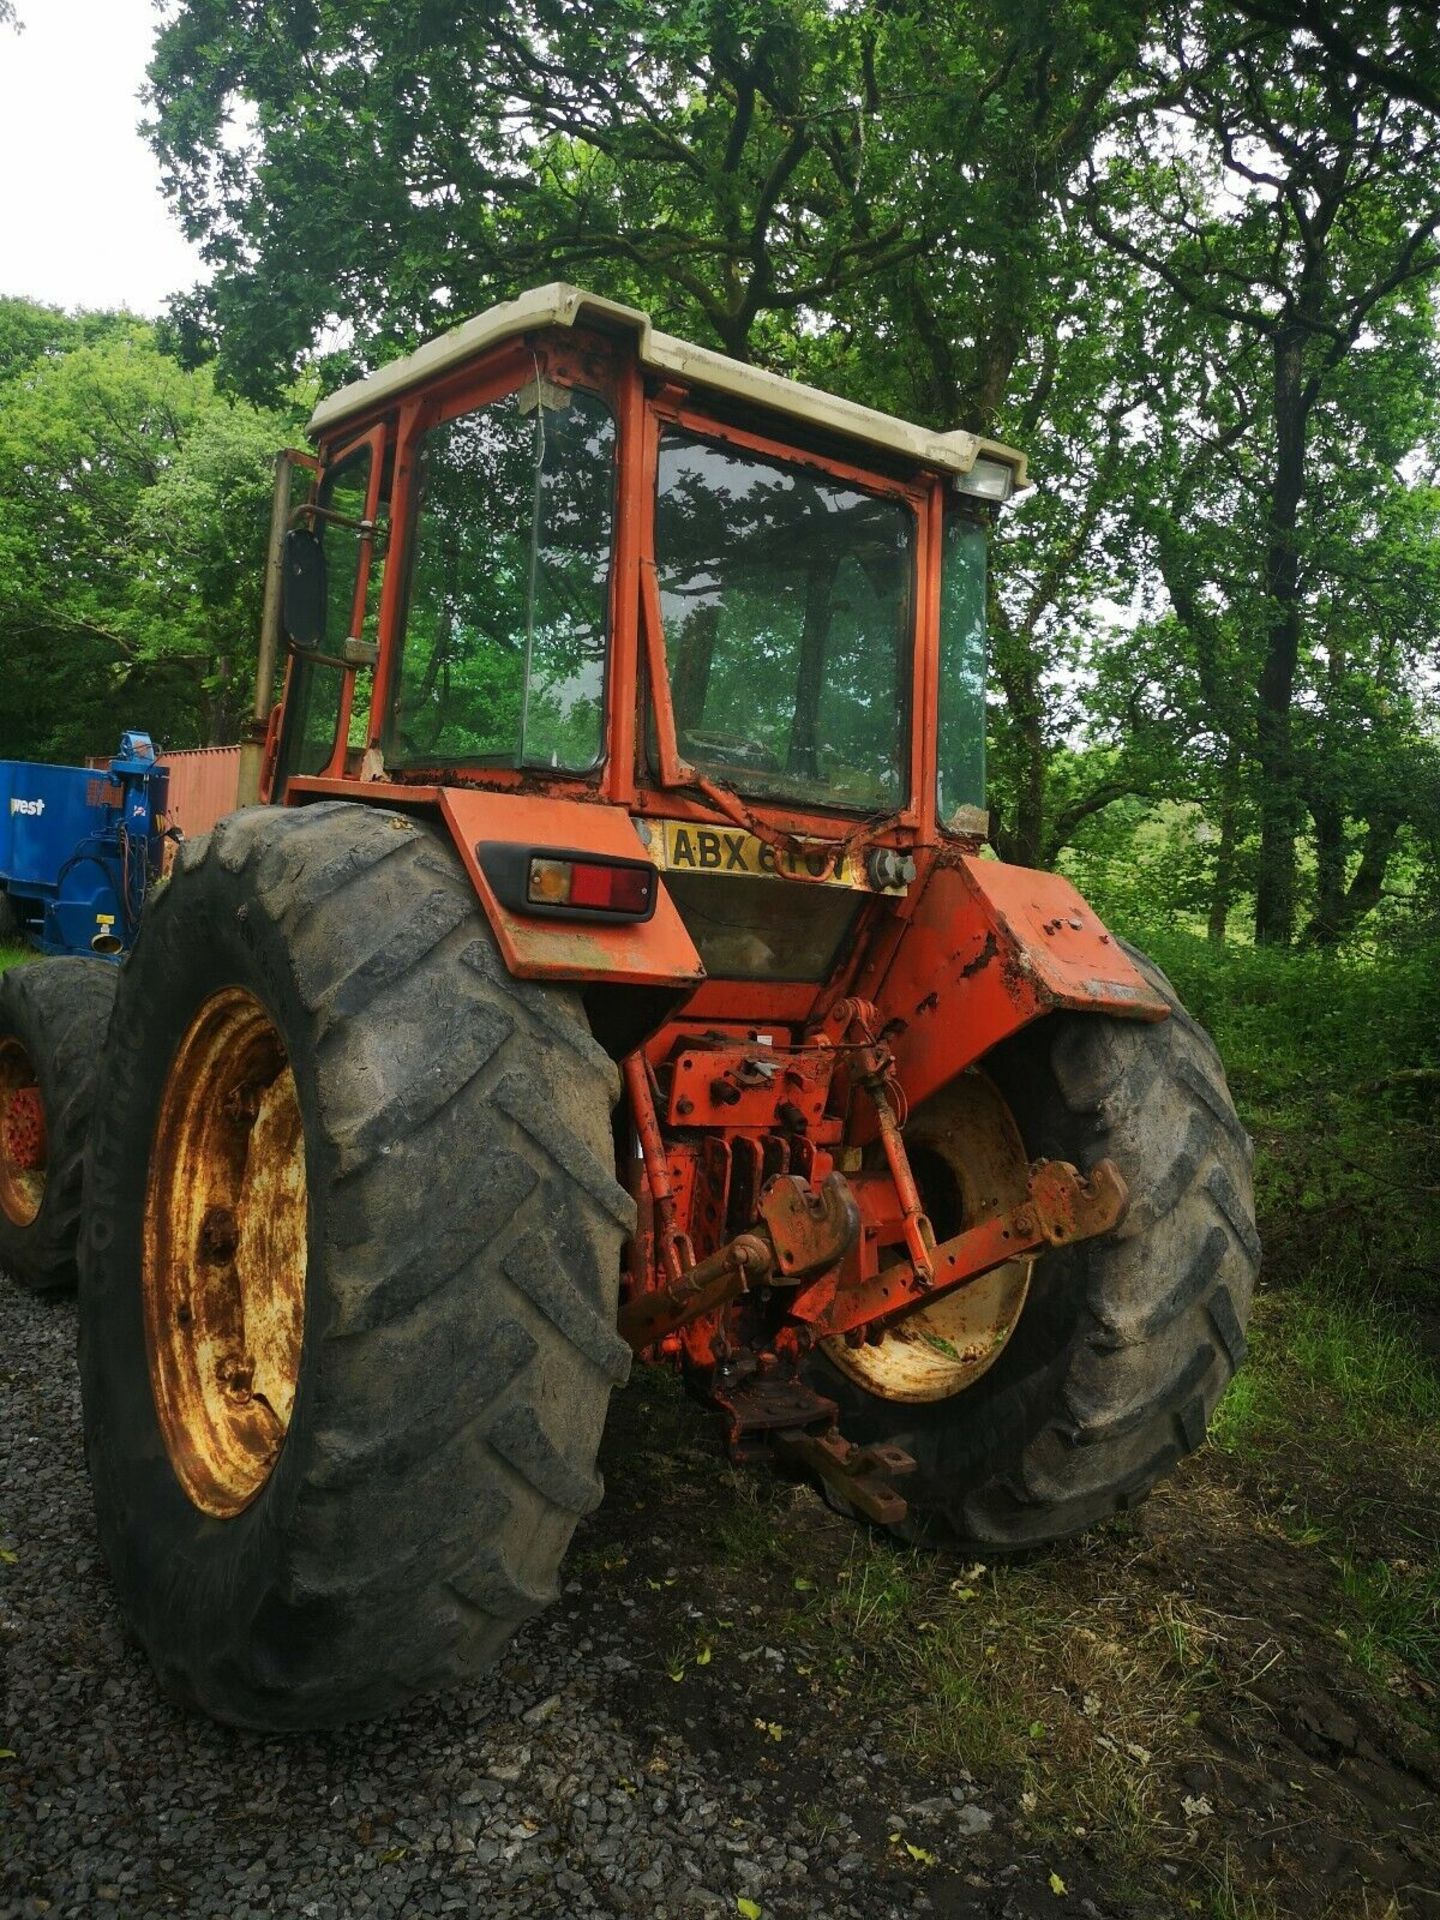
[{"x": 79, "y": 847}]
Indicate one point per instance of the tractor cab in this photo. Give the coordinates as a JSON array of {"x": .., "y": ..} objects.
[{"x": 558, "y": 553}]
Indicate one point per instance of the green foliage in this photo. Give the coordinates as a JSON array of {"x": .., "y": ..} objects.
[
  {"x": 130, "y": 548},
  {"x": 1398, "y": 1615},
  {"x": 1334, "y": 1061}
]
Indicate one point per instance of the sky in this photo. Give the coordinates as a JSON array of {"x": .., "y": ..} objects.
[{"x": 82, "y": 219}]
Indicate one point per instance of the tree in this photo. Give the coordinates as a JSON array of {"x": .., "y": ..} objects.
[
  {"x": 130, "y": 551},
  {"x": 870, "y": 197},
  {"x": 1295, "y": 216}
]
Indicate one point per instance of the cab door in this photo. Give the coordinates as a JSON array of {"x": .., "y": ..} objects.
[{"x": 320, "y": 688}]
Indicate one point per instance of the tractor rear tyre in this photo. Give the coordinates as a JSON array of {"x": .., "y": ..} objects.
[
  {"x": 12, "y": 932},
  {"x": 347, "y": 1333},
  {"x": 1124, "y": 1344},
  {"x": 53, "y": 1016}
]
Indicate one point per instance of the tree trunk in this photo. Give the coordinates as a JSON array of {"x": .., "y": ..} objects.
[
  {"x": 1223, "y": 888},
  {"x": 1030, "y": 810},
  {"x": 1279, "y": 801},
  {"x": 1344, "y": 912},
  {"x": 1329, "y": 817},
  {"x": 803, "y": 757}
]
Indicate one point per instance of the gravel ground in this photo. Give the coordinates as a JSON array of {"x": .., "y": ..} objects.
[{"x": 556, "y": 1787}]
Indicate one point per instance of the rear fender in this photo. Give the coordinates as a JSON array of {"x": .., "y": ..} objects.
[
  {"x": 654, "y": 953},
  {"x": 988, "y": 949}
]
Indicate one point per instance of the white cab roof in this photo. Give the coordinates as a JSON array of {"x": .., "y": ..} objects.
[{"x": 559, "y": 305}]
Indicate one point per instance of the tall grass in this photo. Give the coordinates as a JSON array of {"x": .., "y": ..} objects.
[{"x": 1334, "y": 1062}]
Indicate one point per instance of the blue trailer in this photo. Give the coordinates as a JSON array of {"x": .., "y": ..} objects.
[{"x": 79, "y": 846}]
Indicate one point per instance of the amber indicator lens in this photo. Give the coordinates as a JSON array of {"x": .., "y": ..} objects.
[{"x": 593, "y": 886}]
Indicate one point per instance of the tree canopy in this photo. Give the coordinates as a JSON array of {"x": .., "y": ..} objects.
[
  {"x": 1183, "y": 252},
  {"x": 132, "y": 539}
]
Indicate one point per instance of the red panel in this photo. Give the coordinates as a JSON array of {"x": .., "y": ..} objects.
[
  {"x": 988, "y": 949},
  {"x": 204, "y": 786},
  {"x": 654, "y": 953}
]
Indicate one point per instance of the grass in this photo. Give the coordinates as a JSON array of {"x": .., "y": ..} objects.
[
  {"x": 1350, "y": 1367},
  {"x": 1076, "y": 1684},
  {"x": 1102, "y": 1691},
  {"x": 1345, "y": 1386},
  {"x": 1334, "y": 1062},
  {"x": 1395, "y": 1608},
  {"x": 11, "y": 956},
  {"x": 1076, "y": 1700}
]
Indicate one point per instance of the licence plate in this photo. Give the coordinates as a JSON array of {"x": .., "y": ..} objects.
[{"x": 680, "y": 846}]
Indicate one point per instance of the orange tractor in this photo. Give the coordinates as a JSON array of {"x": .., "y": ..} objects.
[{"x": 617, "y": 970}]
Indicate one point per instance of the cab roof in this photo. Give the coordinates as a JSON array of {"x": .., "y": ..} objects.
[{"x": 699, "y": 368}]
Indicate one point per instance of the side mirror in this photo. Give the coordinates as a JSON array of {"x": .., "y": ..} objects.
[{"x": 304, "y": 589}]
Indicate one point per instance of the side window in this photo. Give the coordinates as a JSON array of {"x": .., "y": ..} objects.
[
  {"x": 961, "y": 744},
  {"x": 503, "y": 659},
  {"x": 313, "y": 703}
]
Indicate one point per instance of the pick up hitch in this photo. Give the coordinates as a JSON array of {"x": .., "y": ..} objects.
[
  {"x": 802, "y": 1230},
  {"x": 1061, "y": 1207}
]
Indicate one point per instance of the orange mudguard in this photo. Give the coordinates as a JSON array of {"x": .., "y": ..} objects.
[
  {"x": 988, "y": 949},
  {"x": 652, "y": 953}
]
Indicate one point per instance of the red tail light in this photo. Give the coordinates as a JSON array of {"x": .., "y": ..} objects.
[
  {"x": 562, "y": 882},
  {"x": 613, "y": 889}
]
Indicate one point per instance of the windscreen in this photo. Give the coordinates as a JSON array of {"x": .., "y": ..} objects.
[{"x": 786, "y": 597}]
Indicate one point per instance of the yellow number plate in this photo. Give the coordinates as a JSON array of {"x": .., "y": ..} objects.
[{"x": 679, "y": 846}]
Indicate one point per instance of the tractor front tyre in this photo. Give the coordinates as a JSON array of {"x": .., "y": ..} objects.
[
  {"x": 349, "y": 1276},
  {"x": 53, "y": 1017},
  {"x": 1116, "y": 1359}
]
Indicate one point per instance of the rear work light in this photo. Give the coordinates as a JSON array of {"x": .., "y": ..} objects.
[
  {"x": 568, "y": 883},
  {"x": 988, "y": 480}
]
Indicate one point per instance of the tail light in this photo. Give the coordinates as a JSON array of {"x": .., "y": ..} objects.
[{"x": 567, "y": 883}]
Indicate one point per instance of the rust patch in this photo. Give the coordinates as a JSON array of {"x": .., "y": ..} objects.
[
  {"x": 22, "y": 1136},
  {"x": 982, "y": 959},
  {"x": 224, "y": 1254},
  {"x": 811, "y": 1230}
]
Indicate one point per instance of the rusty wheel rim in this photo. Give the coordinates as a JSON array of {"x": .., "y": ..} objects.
[
  {"x": 23, "y": 1152},
  {"x": 224, "y": 1253},
  {"x": 970, "y": 1164}
]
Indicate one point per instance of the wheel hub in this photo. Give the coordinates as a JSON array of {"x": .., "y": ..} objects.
[
  {"x": 224, "y": 1255},
  {"x": 970, "y": 1165},
  {"x": 22, "y": 1136}
]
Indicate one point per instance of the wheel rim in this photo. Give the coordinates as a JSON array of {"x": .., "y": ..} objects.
[
  {"x": 23, "y": 1145},
  {"x": 970, "y": 1164},
  {"x": 224, "y": 1253}
]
